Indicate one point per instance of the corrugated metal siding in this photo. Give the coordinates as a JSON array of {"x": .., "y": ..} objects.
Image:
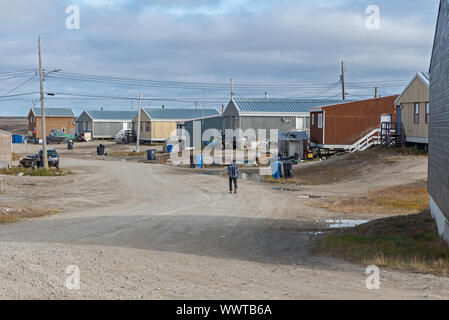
[
  {"x": 439, "y": 114},
  {"x": 179, "y": 114},
  {"x": 283, "y": 124},
  {"x": 54, "y": 112},
  {"x": 344, "y": 124},
  {"x": 206, "y": 124},
  {"x": 106, "y": 130}
]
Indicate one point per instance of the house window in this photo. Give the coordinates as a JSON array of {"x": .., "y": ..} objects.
[
  {"x": 416, "y": 113},
  {"x": 63, "y": 130},
  {"x": 307, "y": 123},
  {"x": 147, "y": 126},
  {"x": 141, "y": 126},
  {"x": 320, "y": 121},
  {"x": 313, "y": 119},
  {"x": 427, "y": 112}
]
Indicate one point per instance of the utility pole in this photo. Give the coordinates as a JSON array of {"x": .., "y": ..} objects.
[
  {"x": 376, "y": 92},
  {"x": 138, "y": 123},
  {"x": 343, "y": 79},
  {"x": 232, "y": 92},
  {"x": 44, "y": 131}
]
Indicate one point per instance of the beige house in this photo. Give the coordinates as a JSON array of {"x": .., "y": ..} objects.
[
  {"x": 159, "y": 124},
  {"x": 413, "y": 109}
]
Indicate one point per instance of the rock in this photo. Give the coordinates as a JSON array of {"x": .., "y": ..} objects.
[{"x": 20, "y": 174}]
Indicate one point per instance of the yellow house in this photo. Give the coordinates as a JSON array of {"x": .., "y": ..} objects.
[
  {"x": 413, "y": 107},
  {"x": 158, "y": 124}
]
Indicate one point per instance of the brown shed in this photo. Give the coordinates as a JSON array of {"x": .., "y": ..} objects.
[
  {"x": 5, "y": 149},
  {"x": 62, "y": 119},
  {"x": 340, "y": 126}
]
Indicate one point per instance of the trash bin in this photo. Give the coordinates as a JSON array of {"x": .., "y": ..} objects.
[
  {"x": 151, "y": 154},
  {"x": 70, "y": 145},
  {"x": 169, "y": 148},
  {"x": 100, "y": 150}
]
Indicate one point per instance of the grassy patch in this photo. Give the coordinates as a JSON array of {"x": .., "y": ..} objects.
[
  {"x": 126, "y": 154},
  {"x": 404, "y": 243},
  {"x": 405, "y": 199},
  {"x": 15, "y": 157},
  {"x": 17, "y": 215},
  {"x": 411, "y": 151},
  {"x": 40, "y": 172}
]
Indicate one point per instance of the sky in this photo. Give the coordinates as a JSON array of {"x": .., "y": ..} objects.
[{"x": 183, "y": 53}]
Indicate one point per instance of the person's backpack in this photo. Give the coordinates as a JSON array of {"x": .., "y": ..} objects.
[{"x": 234, "y": 171}]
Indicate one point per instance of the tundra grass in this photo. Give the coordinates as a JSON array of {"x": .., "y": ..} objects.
[
  {"x": 40, "y": 172},
  {"x": 409, "y": 243}
]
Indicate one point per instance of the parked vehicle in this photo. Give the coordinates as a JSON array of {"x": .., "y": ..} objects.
[
  {"x": 56, "y": 136},
  {"x": 36, "y": 161},
  {"x": 53, "y": 158},
  {"x": 30, "y": 161}
]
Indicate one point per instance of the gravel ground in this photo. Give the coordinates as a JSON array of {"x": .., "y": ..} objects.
[{"x": 155, "y": 232}]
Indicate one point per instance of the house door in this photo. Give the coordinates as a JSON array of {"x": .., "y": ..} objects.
[{"x": 386, "y": 118}]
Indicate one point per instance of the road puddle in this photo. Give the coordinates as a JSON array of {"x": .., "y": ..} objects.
[{"x": 344, "y": 223}]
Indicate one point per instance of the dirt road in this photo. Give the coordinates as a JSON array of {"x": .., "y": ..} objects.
[{"x": 164, "y": 233}]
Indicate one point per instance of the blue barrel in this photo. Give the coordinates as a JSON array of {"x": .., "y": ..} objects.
[
  {"x": 200, "y": 161},
  {"x": 169, "y": 148},
  {"x": 16, "y": 138},
  {"x": 276, "y": 167}
]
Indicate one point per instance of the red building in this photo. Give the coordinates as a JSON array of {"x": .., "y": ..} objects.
[{"x": 342, "y": 126}]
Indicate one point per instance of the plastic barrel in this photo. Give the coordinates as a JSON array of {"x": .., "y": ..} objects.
[
  {"x": 151, "y": 154},
  {"x": 276, "y": 169},
  {"x": 169, "y": 148},
  {"x": 200, "y": 161}
]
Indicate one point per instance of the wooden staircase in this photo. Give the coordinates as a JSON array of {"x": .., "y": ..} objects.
[{"x": 391, "y": 136}]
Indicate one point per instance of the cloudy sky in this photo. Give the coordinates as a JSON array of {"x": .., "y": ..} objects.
[{"x": 178, "y": 52}]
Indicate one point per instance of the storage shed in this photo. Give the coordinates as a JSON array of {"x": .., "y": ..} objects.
[
  {"x": 413, "y": 109},
  {"x": 439, "y": 124},
  {"x": 283, "y": 114},
  {"x": 157, "y": 124},
  {"x": 5, "y": 149},
  {"x": 104, "y": 124},
  {"x": 341, "y": 126}
]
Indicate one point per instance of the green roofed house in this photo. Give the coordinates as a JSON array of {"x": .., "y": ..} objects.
[
  {"x": 104, "y": 124},
  {"x": 158, "y": 124}
]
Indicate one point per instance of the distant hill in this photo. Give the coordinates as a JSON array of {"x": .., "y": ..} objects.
[{"x": 17, "y": 125}]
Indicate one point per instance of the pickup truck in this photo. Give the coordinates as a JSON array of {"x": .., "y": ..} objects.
[{"x": 56, "y": 136}]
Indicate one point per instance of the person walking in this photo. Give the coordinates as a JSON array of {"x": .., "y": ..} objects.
[{"x": 233, "y": 172}]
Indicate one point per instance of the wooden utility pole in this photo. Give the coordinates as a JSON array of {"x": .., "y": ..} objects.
[
  {"x": 343, "y": 79},
  {"x": 138, "y": 124},
  {"x": 44, "y": 131}
]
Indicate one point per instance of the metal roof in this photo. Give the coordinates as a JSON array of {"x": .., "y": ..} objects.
[
  {"x": 54, "y": 112},
  {"x": 179, "y": 113},
  {"x": 111, "y": 115},
  {"x": 423, "y": 76},
  {"x": 282, "y": 105}
]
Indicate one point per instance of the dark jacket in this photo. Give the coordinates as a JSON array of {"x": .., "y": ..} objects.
[{"x": 233, "y": 171}]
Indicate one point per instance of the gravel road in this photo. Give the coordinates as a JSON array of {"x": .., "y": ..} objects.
[{"x": 168, "y": 234}]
